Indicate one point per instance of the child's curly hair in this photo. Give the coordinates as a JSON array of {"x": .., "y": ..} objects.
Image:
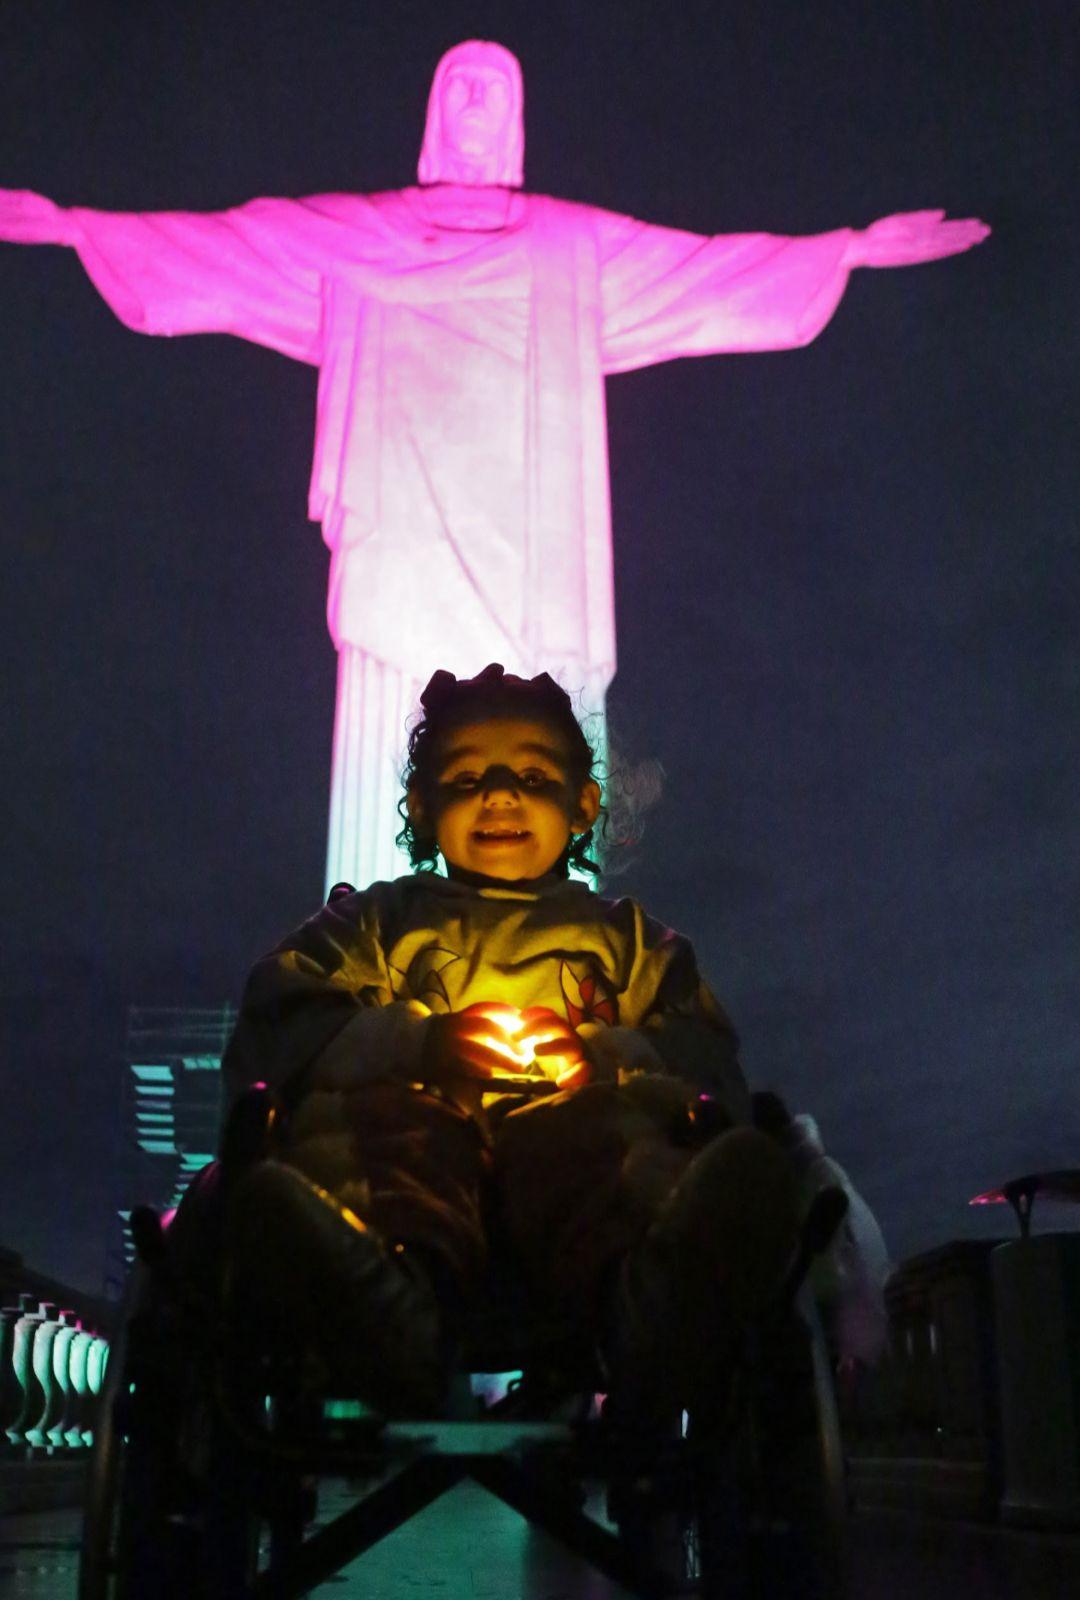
[{"x": 446, "y": 703}]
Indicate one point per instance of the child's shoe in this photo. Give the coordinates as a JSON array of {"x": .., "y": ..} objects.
[
  {"x": 316, "y": 1276},
  {"x": 713, "y": 1260}
]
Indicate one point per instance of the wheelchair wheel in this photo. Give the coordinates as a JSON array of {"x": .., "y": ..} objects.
[
  {"x": 668, "y": 1523},
  {"x": 157, "y": 1533},
  {"x": 747, "y": 1505},
  {"x": 128, "y": 1532},
  {"x": 97, "y": 1554},
  {"x": 170, "y": 1507},
  {"x": 768, "y": 1496}
]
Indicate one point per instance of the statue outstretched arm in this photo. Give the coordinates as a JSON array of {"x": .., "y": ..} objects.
[
  {"x": 665, "y": 293},
  {"x": 29, "y": 218},
  {"x": 909, "y": 237},
  {"x": 173, "y": 272}
]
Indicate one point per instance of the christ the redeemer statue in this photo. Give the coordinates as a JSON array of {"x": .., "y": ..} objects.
[{"x": 462, "y": 330}]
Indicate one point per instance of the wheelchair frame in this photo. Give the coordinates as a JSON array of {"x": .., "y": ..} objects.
[{"x": 194, "y": 1452}]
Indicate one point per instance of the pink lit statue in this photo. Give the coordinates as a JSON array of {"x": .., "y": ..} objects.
[{"x": 462, "y": 330}]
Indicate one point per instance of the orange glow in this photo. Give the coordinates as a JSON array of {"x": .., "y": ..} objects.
[
  {"x": 519, "y": 1049},
  {"x": 573, "y": 1076},
  {"x": 508, "y": 1049}
]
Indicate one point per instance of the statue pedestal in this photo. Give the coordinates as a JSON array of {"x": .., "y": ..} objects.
[{"x": 374, "y": 703}]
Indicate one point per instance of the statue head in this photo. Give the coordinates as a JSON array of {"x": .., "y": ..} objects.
[{"x": 475, "y": 131}]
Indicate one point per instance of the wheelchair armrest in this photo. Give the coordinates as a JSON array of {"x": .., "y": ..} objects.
[
  {"x": 148, "y": 1235},
  {"x": 181, "y": 1248},
  {"x": 251, "y": 1129},
  {"x": 827, "y": 1211}
]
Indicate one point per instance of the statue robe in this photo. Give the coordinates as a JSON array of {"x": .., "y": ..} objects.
[{"x": 460, "y": 470}]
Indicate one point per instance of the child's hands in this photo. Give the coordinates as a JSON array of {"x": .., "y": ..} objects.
[
  {"x": 477, "y": 1042},
  {"x": 554, "y": 1045},
  {"x": 490, "y": 1040}
]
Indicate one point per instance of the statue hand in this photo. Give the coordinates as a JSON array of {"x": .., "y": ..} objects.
[
  {"x": 28, "y": 218},
  {"x": 913, "y": 236}
]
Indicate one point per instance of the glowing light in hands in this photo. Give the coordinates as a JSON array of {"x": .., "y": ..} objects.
[
  {"x": 537, "y": 1044},
  {"x": 507, "y": 1039}
]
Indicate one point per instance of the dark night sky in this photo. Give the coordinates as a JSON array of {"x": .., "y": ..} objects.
[{"x": 846, "y": 576}]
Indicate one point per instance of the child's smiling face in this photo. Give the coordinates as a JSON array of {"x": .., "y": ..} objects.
[{"x": 505, "y": 801}]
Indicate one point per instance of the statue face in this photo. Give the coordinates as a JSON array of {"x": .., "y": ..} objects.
[
  {"x": 475, "y": 129},
  {"x": 475, "y": 107}
]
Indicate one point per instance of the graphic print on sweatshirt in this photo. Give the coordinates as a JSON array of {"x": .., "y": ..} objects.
[
  {"x": 423, "y": 979},
  {"x": 587, "y": 994}
]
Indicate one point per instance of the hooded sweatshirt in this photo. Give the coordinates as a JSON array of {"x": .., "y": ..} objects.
[{"x": 348, "y": 997}]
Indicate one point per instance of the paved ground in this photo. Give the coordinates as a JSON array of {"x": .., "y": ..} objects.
[{"x": 469, "y": 1546}]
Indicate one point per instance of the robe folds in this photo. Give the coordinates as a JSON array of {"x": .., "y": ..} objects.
[{"x": 460, "y": 467}]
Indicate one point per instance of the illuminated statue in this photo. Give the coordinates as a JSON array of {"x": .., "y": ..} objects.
[{"x": 462, "y": 330}]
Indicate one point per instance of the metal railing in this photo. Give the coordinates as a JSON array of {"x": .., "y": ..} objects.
[{"x": 52, "y": 1368}]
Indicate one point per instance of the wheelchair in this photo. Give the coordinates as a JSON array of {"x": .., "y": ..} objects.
[{"x": 210, "y": 1450}]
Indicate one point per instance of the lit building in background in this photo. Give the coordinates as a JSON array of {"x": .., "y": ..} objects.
[{"x": 170, "y": 1113}]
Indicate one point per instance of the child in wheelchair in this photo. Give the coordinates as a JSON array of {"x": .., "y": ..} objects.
[{"x": 499, "y": 1062}]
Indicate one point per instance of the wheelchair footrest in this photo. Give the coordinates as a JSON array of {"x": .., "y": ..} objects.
[{"x": 473, "y": 1439}]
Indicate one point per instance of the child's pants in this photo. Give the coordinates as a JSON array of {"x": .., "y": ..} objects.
[{"x": 566, "y": 1186}]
